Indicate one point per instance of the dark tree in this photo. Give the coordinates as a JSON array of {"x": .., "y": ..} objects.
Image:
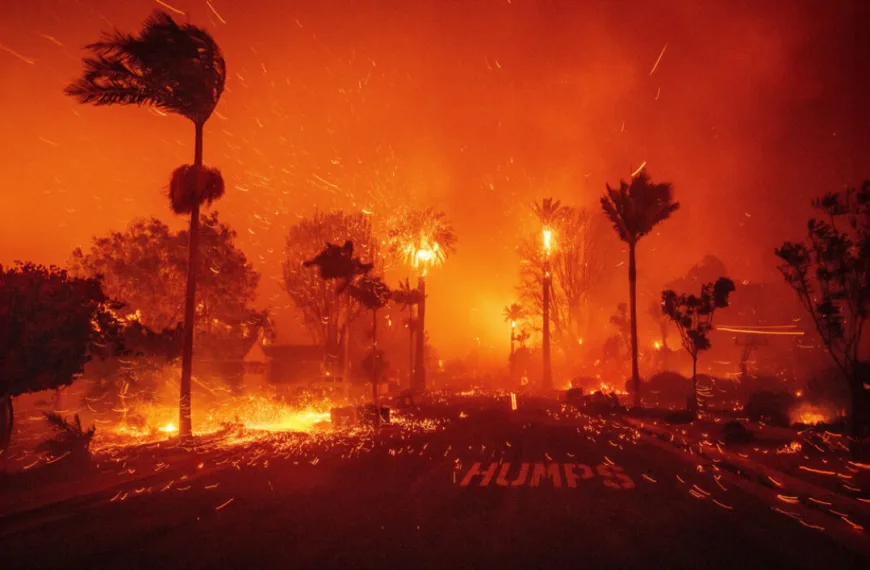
[
  {"x": 693, "y": 316},
  {"x": 829, "y": 272},
  {"x": 635, "y": 208},
  {"x": 180, "y": 69},
  {"x": 145, "y": 267},
  {"x": 373, "y": 294},
  {"x": 326, "y": 313},
  {"x": 409, "y": 297},
  {"x": 51, "y": 324}
]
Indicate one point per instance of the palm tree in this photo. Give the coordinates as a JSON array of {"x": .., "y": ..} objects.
[
  {"x": 635, "y": 208},
  {"x": 408, "y": 297},
  {"x": 513, "y": 313},
  {"x": 549, "y": 212},
  {"x": 373, "y": 294},
  {"x": 424, "y": 238},
  {"x": 180, "y": 69}
]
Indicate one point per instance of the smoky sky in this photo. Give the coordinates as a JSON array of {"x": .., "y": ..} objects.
[{"x": 477, "y": 108}]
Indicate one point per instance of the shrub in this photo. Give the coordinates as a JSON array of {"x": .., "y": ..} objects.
[
  {"x": 71, "y": 438},
  {"x": 770, "y": 407},
  {"x": 680, "y": 417},
  {"x": 735, "y": 432}
]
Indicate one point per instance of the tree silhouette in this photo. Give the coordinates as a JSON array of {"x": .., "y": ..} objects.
[
  {"x": 693, "y": 316},
  {"x": 829, "y": 272},
  {"x": 577, "y": 263},
  {"x": 145, "y": 267},
  {"x": 423, "y": 239},
  {"x": 179, "y": 69},
  {"x": 409, "y": 297},
  {"x": 374, "y": 295},
  {"x": 634, "y": 209},
  {"x": 51, "y": 324},
  {"x": 326, "y": 312},
  {"x": 513, "y": 313}
]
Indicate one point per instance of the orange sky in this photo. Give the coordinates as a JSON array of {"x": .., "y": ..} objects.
[{"x": 476, "y": 108}]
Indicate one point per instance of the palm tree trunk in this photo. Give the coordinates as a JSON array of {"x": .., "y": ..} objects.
[
  {"x": 375, "y": 367},
  {"x": 632, "y": 298},
  {"x": 185, "y": 428},
  {"x": 548, "y": 372},
  {"x": 420, "y": 368},
  {"x": 6, "y": 422},
  {"x": 411, "y": 347},
  {"x": 345, "y": 365}
]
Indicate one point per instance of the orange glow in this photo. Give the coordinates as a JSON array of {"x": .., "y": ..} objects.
[
  {"x": 406, "y": 107},
  {"x": 548, "y": 240}
]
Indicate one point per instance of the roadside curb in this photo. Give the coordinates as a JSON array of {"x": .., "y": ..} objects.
[{"x": 820, "y": 499}]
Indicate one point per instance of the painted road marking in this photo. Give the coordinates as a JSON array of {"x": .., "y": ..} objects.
[{"x": 548, "y": 474}]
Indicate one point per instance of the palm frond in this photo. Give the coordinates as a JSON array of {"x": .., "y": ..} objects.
[
  {"x": 636, "y": 207},
  {"x": 189, "y": 188},
  {"x": 178, "y": 68}
]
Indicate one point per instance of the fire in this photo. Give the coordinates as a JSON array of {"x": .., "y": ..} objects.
[
  {"x": 809, "y": 414},
  {"x": 153, "y": 422},
  {"x": 548, "y": 240},
  {"x": 657, "y": 345},
  {"x": 608, "y": 388}
]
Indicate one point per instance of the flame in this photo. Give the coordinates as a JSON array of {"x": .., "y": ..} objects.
[
  {"x": 424, "y": 254},
  {"x": 810, "y": 414},
  {"x": 168, "y": 428},
  {"x": 657, "y": 345},
  {"x": 548, "y": 240}
]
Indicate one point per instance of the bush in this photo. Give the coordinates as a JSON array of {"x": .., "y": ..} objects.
[
  {"x": 680, "y": 417},
  {"x": 770, "y": 407},
  {"x": 71, "y": 439},
  {"x": 735, "y": 432}
]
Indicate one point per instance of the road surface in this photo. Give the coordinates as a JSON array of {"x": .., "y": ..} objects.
[{"x": 481, "y": 486}]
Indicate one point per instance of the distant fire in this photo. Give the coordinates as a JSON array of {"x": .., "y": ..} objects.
[{"x": 810, "y": 414}]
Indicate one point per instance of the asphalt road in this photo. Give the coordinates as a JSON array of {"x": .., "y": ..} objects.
[{"x": 594, "y": 495}]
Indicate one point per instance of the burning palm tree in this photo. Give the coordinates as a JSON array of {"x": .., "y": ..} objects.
[
  {"x": 513, "y": 313},
  {"x": 635, "y": 208},
  {"x": 549, "y": 212},
  {"x": 180, "y": 69},
  {"x": 424, "y": 239}
]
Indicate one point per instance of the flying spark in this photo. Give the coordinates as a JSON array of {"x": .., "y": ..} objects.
[
  {"x": 215, "y": 12},
  {"x": 656, "y": 64},
  {"x": 172, "y": 8}
]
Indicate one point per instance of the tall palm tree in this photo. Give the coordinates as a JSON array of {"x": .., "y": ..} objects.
[
  {"x": 549, "y": 212},
  {"x": 180, "y": 69},
  {"x": 635, "y": 208},
  {"x": 513, "y": 313},
  {"x": 424, "y": 238}
]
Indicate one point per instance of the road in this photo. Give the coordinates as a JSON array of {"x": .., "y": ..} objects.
[{"x": 594, "y": 495}]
